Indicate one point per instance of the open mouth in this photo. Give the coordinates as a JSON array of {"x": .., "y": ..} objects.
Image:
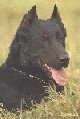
[{"x": 59, "y": 75}]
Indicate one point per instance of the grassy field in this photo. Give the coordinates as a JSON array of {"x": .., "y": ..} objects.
[{"x": 65, "y": 106}]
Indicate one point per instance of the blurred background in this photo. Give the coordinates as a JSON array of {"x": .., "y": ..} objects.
[{"x": 12, "y": 11}]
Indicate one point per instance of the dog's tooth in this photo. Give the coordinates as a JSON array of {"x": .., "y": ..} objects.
[{"x": 47, "y": 66}]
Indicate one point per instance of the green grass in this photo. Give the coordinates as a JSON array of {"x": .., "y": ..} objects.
[{"x": 65, "y": 106}]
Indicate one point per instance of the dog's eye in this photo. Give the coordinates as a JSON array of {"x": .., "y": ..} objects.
[
  {"x": 45, "y": 37},
  {"x": 60, "y": 38}
]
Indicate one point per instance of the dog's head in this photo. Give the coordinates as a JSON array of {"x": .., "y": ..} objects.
[{"x": 42, "y": 42}]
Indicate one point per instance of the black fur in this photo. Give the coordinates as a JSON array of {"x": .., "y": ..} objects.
[{"x": 37, "y": 42}]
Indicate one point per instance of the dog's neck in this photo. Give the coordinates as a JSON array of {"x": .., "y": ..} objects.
[
  {"x": 28, "y": 75},
  {"x": 22, "y": 72},
  {"x": 30, "y": 71}
]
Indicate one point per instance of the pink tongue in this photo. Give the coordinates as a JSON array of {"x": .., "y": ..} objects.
[{"x": 59, "y": 76}]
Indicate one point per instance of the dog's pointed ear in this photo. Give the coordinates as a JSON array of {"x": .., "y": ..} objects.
[
  {"x": 28, "y": 18},
  {"x": 56, "y": 14}
]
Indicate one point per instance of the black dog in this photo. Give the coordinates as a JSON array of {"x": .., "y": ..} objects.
[{"x": 37, "y": 55}]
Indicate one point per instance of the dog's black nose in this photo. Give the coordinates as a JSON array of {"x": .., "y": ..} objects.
[{"x": 64, "y": 60}]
